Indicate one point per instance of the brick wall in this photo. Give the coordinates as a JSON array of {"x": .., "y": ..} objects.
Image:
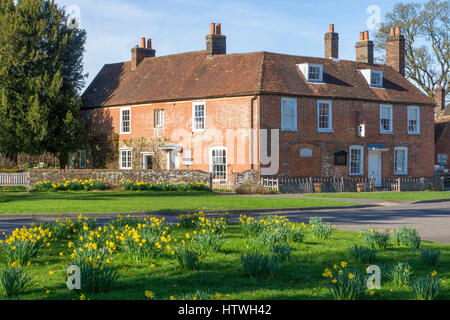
[
  {"x": 223, "y": 116},
  {"x": 324, "y": 145},
  {"x": 443, "y": 140},
  {"x": 113, "y": 177}
]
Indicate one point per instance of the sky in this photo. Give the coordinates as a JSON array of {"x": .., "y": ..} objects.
[{"x": 283, "y": 26}]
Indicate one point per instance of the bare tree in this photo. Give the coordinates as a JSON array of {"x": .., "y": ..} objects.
[{"x": 426, "y": 30}]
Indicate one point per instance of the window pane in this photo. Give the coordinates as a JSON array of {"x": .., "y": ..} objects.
[
  {"x": 199, "y": 117},
  {"x": 355, "y": 161},
  {"x": 324, "y": 116},
  {"x": 219, "y": 164}
]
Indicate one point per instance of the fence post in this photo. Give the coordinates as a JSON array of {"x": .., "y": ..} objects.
[{"x": 28, "y": 182}]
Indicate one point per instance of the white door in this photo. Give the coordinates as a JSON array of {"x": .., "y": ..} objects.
[{"x": 375, "y": 167}]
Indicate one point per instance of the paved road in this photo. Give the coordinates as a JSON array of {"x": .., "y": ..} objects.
[{"x": 431, "y": 219}]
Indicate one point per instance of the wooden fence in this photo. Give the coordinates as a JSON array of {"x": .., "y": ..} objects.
[
  {"x": 414, "y": 184},
  {"x": 328, "y": 184},
  {"x": 15, "y": 180}
]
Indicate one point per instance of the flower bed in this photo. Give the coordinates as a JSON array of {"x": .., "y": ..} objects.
[
  {"x": 203, "y": 257},
  {"x": 74, "y": 185},
  {"x": 130, "y": 185}
]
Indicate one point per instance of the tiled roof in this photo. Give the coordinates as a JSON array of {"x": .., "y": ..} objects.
[{"x": 194, "y": 75}]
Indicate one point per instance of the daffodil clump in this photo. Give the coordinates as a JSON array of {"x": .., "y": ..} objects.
[
  {"x": 136, "y": 185},
  {"x": 209, "y": 233},
  {"x": 428, "y": 287},
  {"x": 345, "y": 283},
  {"x": 71, "y": 185},
  {"x": 320, "y": 230},
  {"x": 25, "y": 243},
  {"x": 406, "y": 237},
  {"x": 376, "y": 239}
]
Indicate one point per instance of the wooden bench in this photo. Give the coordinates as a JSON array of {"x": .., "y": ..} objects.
[{"x": 15, "y": 180}]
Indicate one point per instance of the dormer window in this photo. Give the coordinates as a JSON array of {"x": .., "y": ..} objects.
[
  {"x": 374, "y": 77},
  {"x": 313, "y": 72}
]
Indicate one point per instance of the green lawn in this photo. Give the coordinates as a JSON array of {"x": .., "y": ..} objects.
[
  {"x": 300, "y": 278},
  {"x": 123, "y": 202},
  {"x": 418, "y": 196}
]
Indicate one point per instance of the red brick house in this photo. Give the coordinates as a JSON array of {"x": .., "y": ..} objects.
[
  {"x": 442, "y": 130},
  {"x": 331, "y": 117}
]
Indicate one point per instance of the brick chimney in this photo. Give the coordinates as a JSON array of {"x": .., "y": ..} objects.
[
  {"x": 140, "y": 53},
  {"x": 216, "y": 43},
  {"x": 364, "y": 48},
  {"x": 395, "y": 50},
  {"x": 331, "y": 44},
  {"x": 439, "y": 99}
]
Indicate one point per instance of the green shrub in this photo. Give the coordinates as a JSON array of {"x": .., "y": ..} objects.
[
  {"x": 406, "y": 237},
  {"x": 362, "y": 254},
  {"x": 256, "y": 263},
  {"x": 13, "y": 189},
  {"x": 14, "y": 281},
  {"x": 429, "y": 256},
  {"x": 251, "y": 226},
  {"x": 375, "y": 239},
  {"x": 426, "y": 288},
  {"x": 187, "y": 258},
  {"x": 345, "y": 284},
  {"x": 282, "y": 251},
  {"x": 130, "y": 185},
  {"x": 400, "y": 274}
]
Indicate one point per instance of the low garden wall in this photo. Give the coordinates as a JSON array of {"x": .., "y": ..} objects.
[{"x": 113, "y": 177}]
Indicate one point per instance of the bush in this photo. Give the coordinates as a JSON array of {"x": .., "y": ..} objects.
[
  {"x": 429, "y": 256},
  {"x": 400, "y": 274},
  {"x": 256, "y": 263},
  {"x": 345, "y": 284},
  {"x": 14, "y": 282},
  {"x": 187, "y": 258},
  {"x": 375, "y": 239},
  {"x": 13, "y": 189},
  {"x": 426, "y": 288},
  {"x": 362, "y": 254},
  {"x": 252, "y": 188},
  {"x": 406, "y": 237},
  {"x": 73, "y": 185},
  {"x": 130, "y": 185}
]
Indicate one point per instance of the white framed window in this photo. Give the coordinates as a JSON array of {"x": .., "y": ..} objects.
[
  {"x": 198, "y": 116},
  {"x": 288, "y": 114},
  {"x": 413, "y": 120},
  {"x": 376, "y": 78},
  {"x": 324, "y": 116},
  {"x": 125, "y": 159},
  {"x": 83, "y": 159},
  {"x": 313, "y": 72},
  {"x": 356, "y": 161},
  {"x": 373, "y": 77},
  {"x": 401, "y": 160},
  {"x": 219, "y": 163},
  {"x": 385, "y": 118},
  {"x": 125, "y": 120},
  {"x": 159, "y": 118}
]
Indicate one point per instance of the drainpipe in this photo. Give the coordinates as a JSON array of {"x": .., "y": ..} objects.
[{"x": 255, "y": 97}]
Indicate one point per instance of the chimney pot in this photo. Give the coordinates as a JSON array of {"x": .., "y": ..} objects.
[
  {"x": 216, "y": 43},
  {"x": 392, "y": 32},
  {"x": 366, "y": 35},
  {"x": 149, "y": 43},
  {"x": 218, "y": 28},
  {"x": 361, "y": 36},
  {"x": 331, "y": 27},
  {"x": 397, "y": 31},
  {"x": 213, "y": 28},
  {"x": 142, "y": 42}
]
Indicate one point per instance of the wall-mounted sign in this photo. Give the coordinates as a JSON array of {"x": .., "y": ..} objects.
[
  {"x": 442, "y": 159},
  {"x": 305, "y": 153}
]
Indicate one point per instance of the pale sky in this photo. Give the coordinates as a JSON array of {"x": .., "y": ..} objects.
[{"x": 284, "y": 26}]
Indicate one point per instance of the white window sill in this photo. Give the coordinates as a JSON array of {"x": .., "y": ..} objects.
[
  {"x": 375, "y": 87},
  {"x": 355, "y": 174},
  {"x": 401, "y": 174},
  {"x": 126, "y": 168},
  {"x": 125, "y": 133},
  {"x": 325, "y": 130},
  {"x": 316, "y": 82},
  {"x": 289, "y": 130},
  {"x": 414, "y": 133},
  {"x": 386, "y": 132},
  {"x": 198, "y": 130}
]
